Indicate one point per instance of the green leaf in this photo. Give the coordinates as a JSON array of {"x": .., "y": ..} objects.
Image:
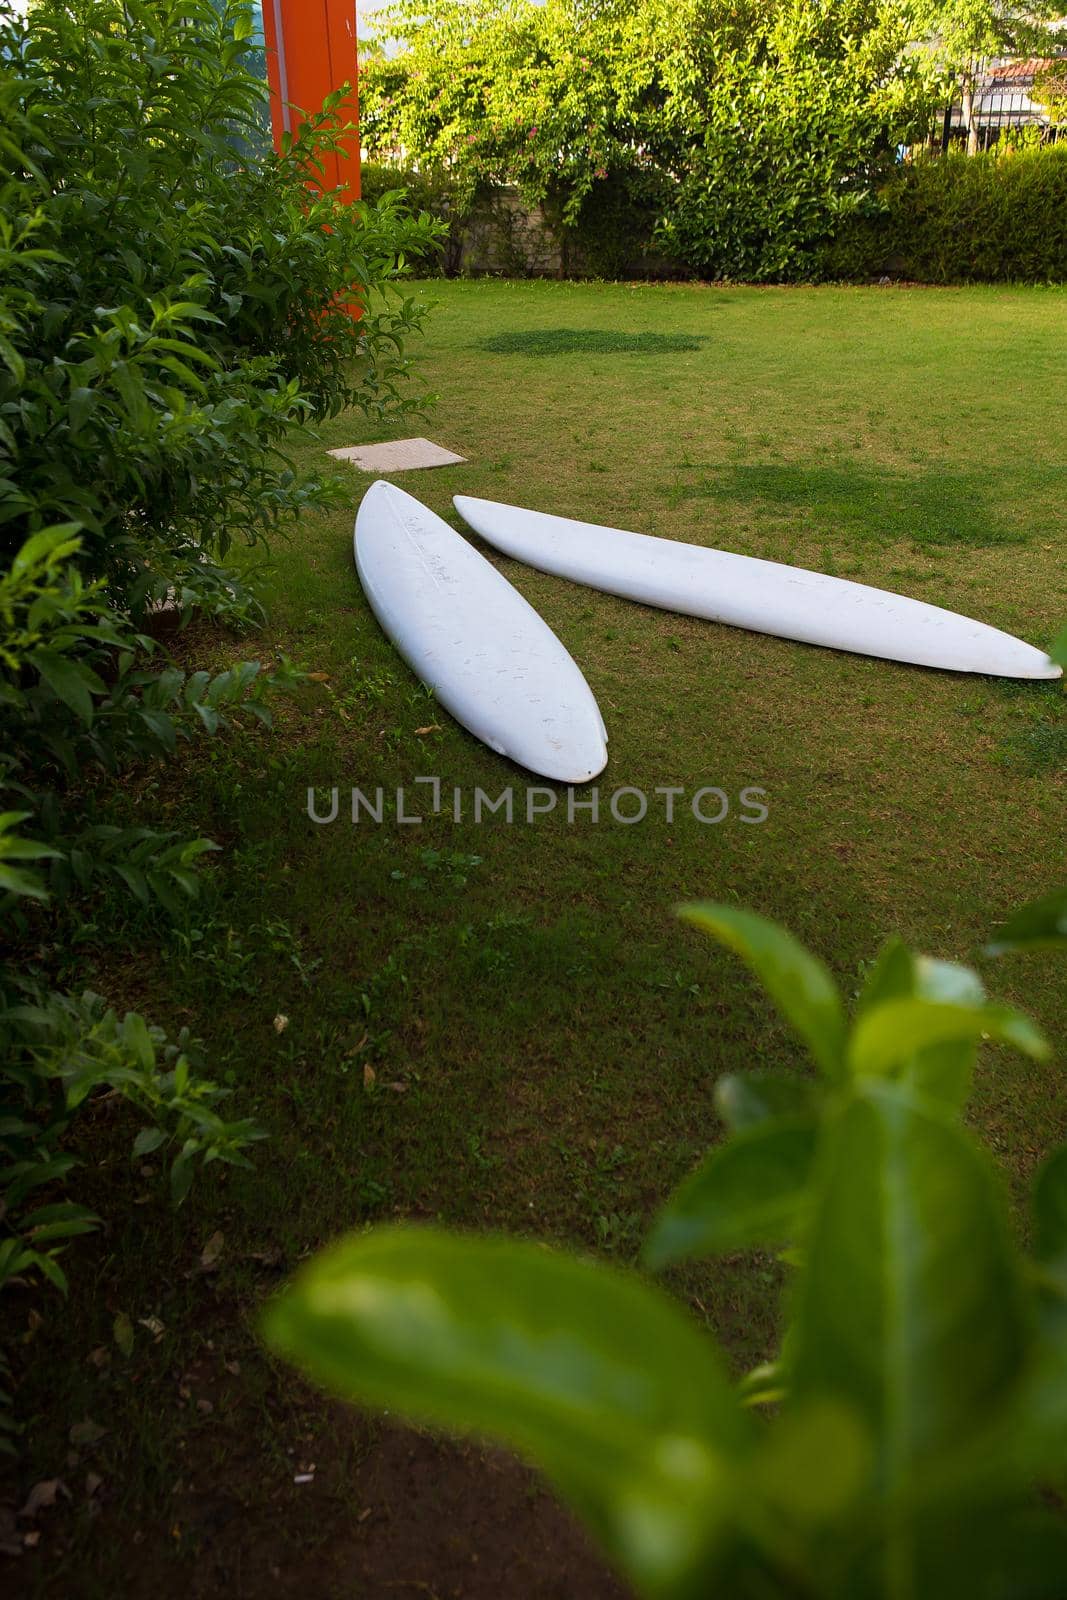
[
  {"x": 796, "y": 981},
  {"x": 909, "y": 1307},
  {"x": 80, "y": 407},
  {"x": 193, "y": 848},
  {"x": 744, "y": 1099},
  {"x": 894, "y": 1034},
  {"x": 69, "y": 680},
  {"x": 1039, "y": 925},
  {"x": 25, "y": 884},
  {"x": 1050, "y": 1209},
  {"x": 891, "y": 978},
  {"x": 181, "y": 1171},
  {"x": 135, "y": 881},
  {"x": 162, "y": 728},
  {"x": 899, "y": 974},
  {"x": 50, "y": 1231},
  {"x": 815, "y": 1462},
  {"x": 597, "y": 1378},
  {"x": 147, "y": 1140},
  {"x": 764, "y": 1385},
  {"x": 181, "y": 371},
  {"x": 945, "y": 1068},
  {"x": 138, "y": 1040},
  {"x": 48, "y": 547},
  {"x": 14, "y": 1258},
  {"x": 163, "y": 892},
  {"x": 32, "y": 1175},
  {"x": 191, "y": 352},
  {"x": 14, "y": 848},
  {"x": 61, "y": 1211},
  {"x": 946, "y": 981},
  {"x": 1058, "y": 650},
  {"x": 186, "y": 881},
  {"x": 122, "y": 1329},
  {"x": 748, "y": 1192},
  {"x": 196, "y": 686},
  {"x": 12, "y": 360},
  {"x": 49, "y": 1267}
]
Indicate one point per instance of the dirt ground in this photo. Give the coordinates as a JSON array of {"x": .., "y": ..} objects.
[{"x": 414, "y": 1516}]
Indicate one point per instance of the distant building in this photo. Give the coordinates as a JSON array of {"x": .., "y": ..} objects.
[{"x": 1007, "y": 95}]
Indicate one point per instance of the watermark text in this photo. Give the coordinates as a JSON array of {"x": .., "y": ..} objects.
[{"x": 624, "y": 807}]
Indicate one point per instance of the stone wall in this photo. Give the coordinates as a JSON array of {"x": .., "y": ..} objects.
[{"x": 507, "y": 238}]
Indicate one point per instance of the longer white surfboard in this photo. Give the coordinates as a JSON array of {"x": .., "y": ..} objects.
[
  {"x": 462, "y": 627},
  {"x": 746, "y": 592}
]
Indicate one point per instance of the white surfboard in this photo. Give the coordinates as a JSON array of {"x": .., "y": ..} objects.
[
  {"x": 749, "y": 593},
  {"x": 461, "y": 626}
]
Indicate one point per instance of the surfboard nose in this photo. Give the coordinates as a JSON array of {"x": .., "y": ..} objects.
[
  {"x": 1047, "y": 672},
  {"x": 376, "y": 495},
  {"x": 572, "y": 770},
  {"x": 1010, "y": 657},
  {"x": 382, "y": 493},
  {"x": 1048, "y": 669}
]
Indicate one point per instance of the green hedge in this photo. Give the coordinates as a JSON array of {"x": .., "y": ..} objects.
[
  {"x": 615, "y": 235},
  {"x": 992, "y": 218}
]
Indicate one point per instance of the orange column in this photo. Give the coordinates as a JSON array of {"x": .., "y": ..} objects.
[{"x": 311, "y": 51}]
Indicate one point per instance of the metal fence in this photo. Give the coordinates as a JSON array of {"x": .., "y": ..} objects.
[{"x": 1003, "y": 101}]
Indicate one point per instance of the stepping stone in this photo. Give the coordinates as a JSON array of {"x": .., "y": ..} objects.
[{"x": 401, "y": 455}]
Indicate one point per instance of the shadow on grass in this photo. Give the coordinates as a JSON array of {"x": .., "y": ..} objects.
[
  {"x": 587, "y": 341},
  {"x": 936, "y": 508},
  {"x": 1038, "y": 745},
  {"x": 1037, "y": 750}
]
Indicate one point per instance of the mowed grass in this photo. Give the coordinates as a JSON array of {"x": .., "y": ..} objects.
[{"x": 505, "y": 1026}]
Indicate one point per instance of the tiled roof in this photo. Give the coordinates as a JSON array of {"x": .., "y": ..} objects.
[{"x": 1024, "y": 71}]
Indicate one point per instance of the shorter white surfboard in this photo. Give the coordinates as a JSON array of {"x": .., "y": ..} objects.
[
  {"x": 462, "y": 627},
  {"x": 746, "y": 592}
]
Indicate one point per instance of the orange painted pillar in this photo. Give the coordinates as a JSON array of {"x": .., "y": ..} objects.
[{"x": 311, "y": 51}]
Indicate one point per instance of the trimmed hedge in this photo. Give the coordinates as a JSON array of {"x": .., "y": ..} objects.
[{"x": 991, "y": 218}]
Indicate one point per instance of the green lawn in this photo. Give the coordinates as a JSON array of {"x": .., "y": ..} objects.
[{"x": 513, "y": 1031}]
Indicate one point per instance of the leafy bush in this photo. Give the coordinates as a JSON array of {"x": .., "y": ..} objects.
[
  {"x": 918, "y": 1403},
  {"x": 177, "y": 306},
  {"x": 175, "y": 312},
  {"x": 781, "y": 117},
  {"x": 744, "y": 139},
  {"x": 998, "y": 217},
  {"x": 615, "y": 233},
  {"x": 430, "y": 193},
  {"x": 506, "y": 92},
  {"x": 79, "y": 692},
  {"x": 66, "y": 1049},
  {"x": 734, "y": 134}
]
